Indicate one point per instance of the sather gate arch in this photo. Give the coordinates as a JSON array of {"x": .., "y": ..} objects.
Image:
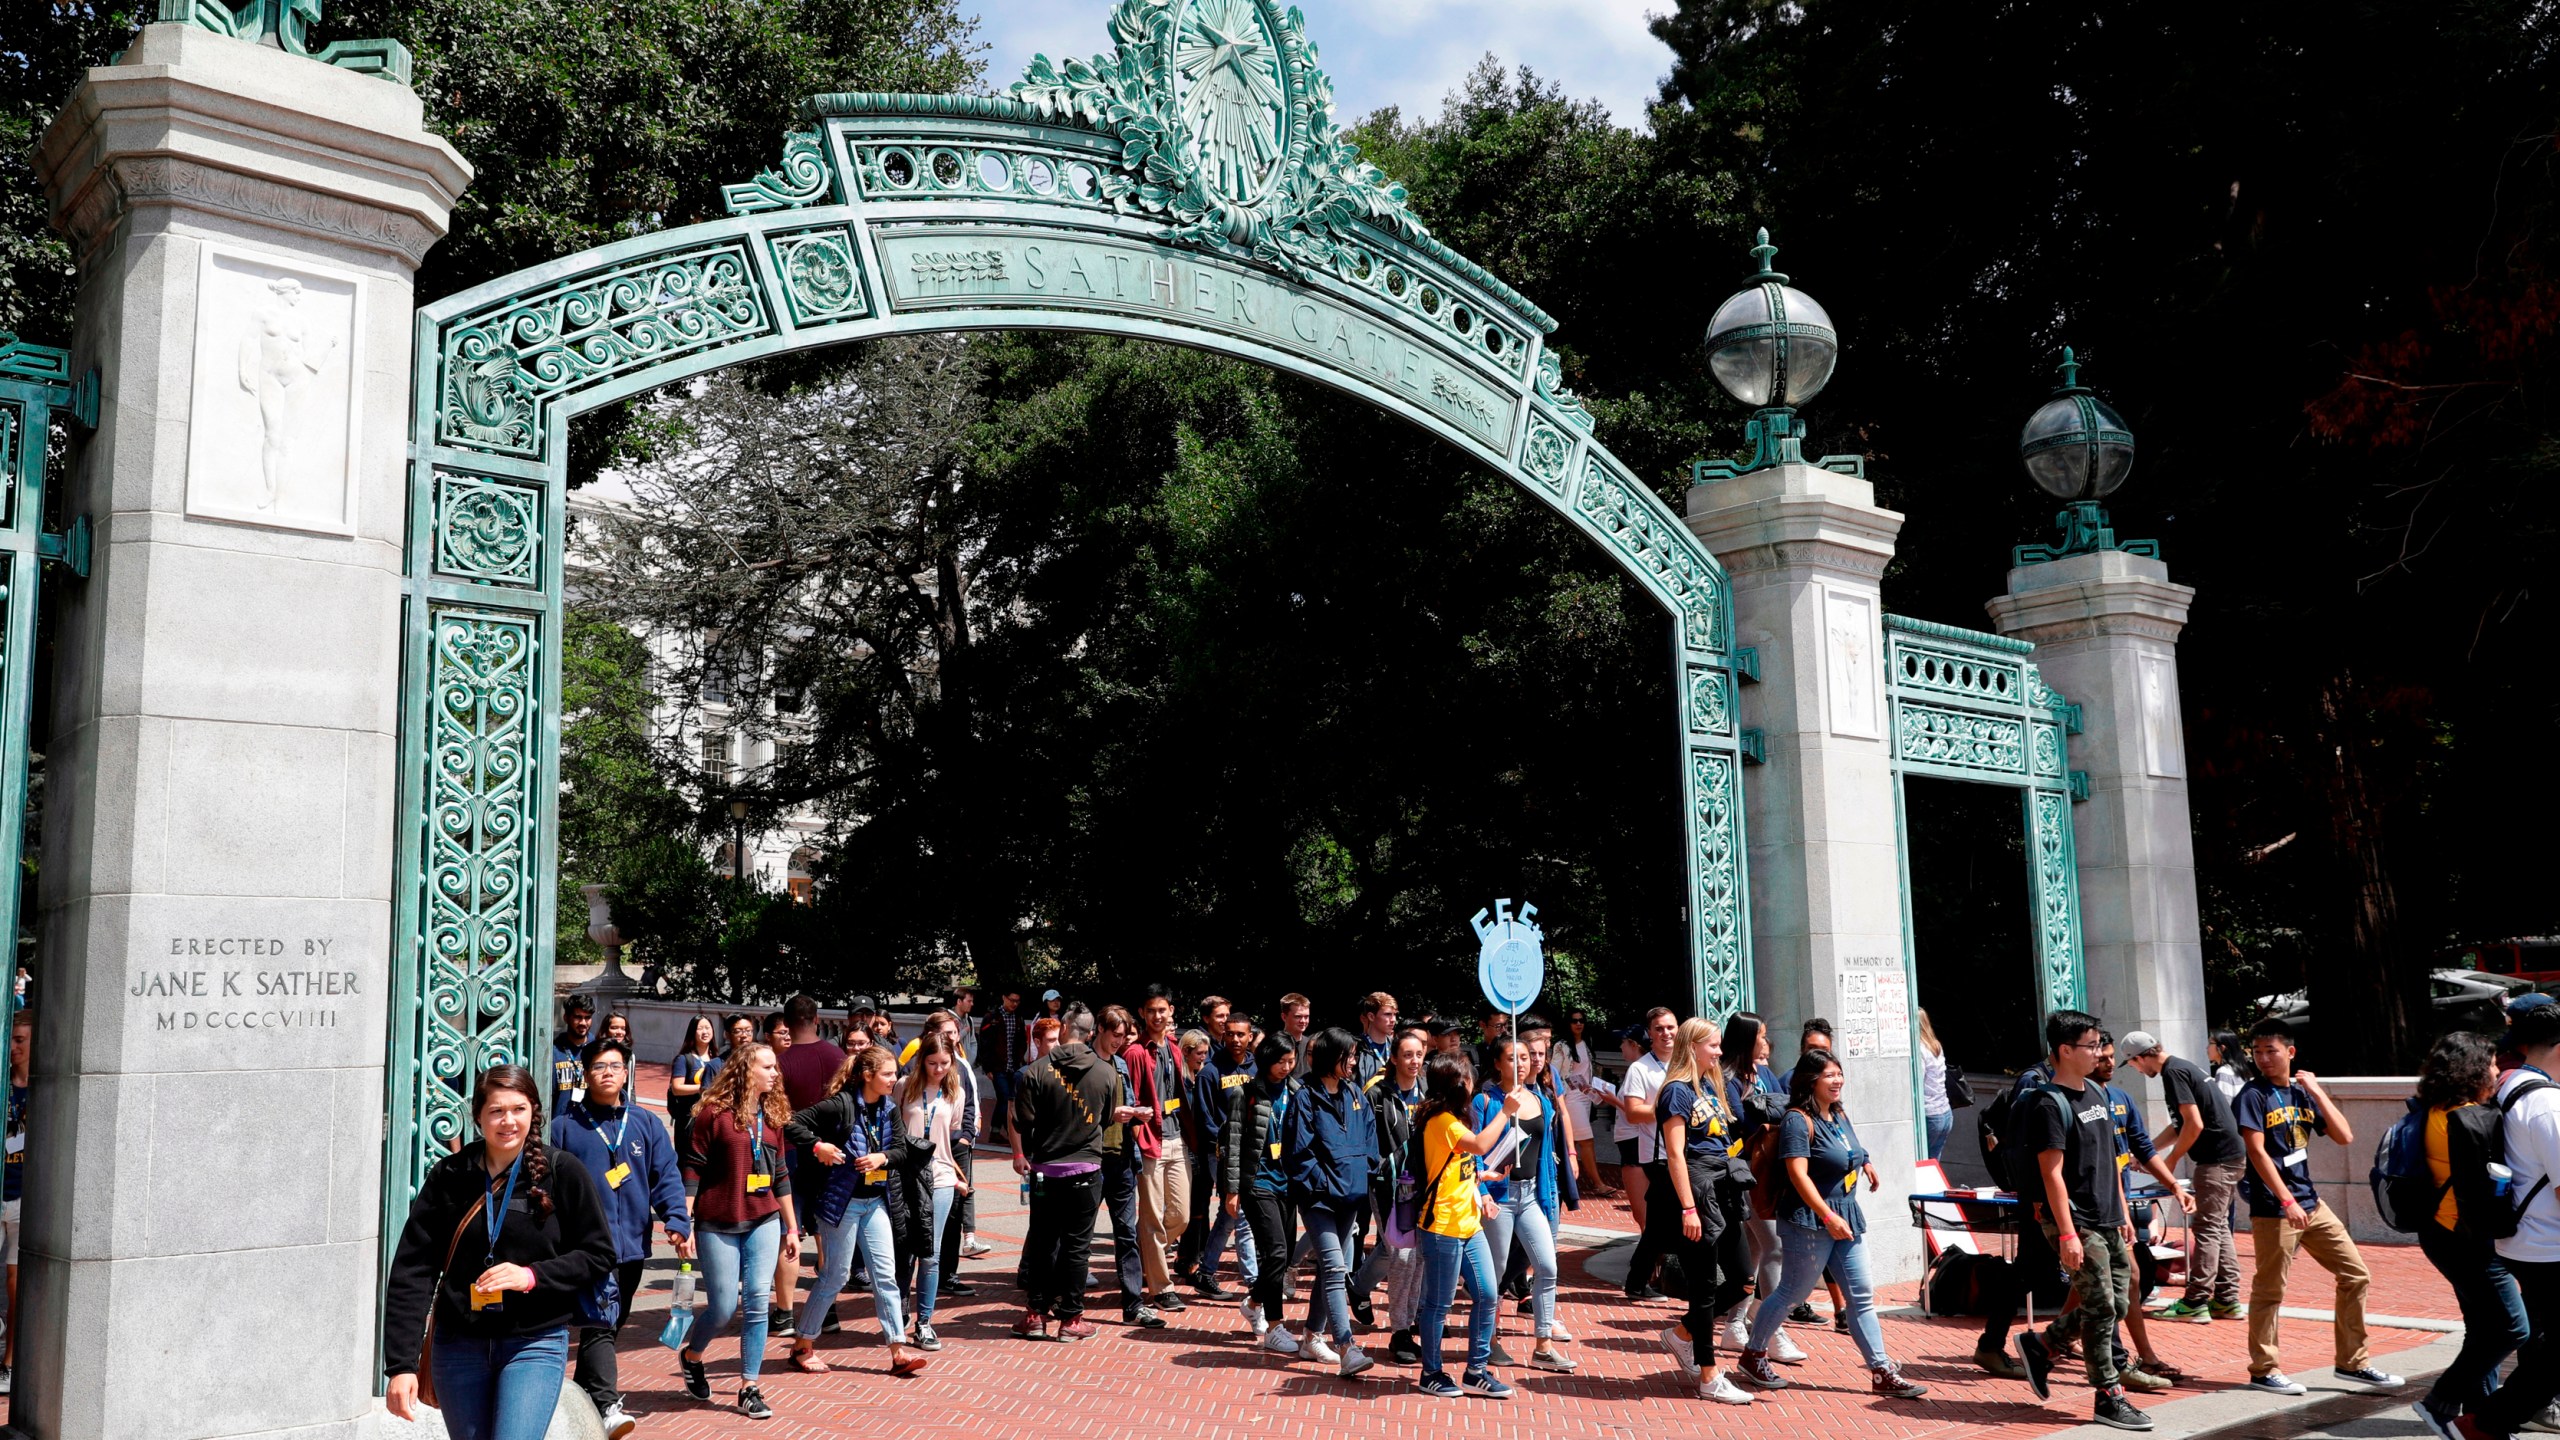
[{"x": 1191, "y": 187}]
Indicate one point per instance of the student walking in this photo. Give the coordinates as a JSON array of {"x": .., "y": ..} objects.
[
  {"x": 2278, "y": 1113},
  {"x": 1230, "y": 1069},
  {"x": 1694, "y": 1195},
  {"x": 568, "y": 1053},
  {"x": 1330, "y": 1142},
  {"x": 2530, "y": 1135},
  {"x": 743, "y": 1217},
  {"x": 1636, "y": 1113},
  {"x": 930, "y": 1105},
  {"x": 1757, "y": 1100},
  {"x": 960, "y": 1236},
  {"x": 1450, "y": 1231},
  {"x": 2065, "y": 1130},
  {"x": 626, "y": 1148},
  {"x": 1938, "y": 1112},
  {"x": 1116, "y": 1042},
  {"x": 1156, "y": 1077},
  {"x": 1254, "y": 1180},
  {"x": 1058, "y": 1102},
  {"x": 1394, "y": 1095},
  {"x": 687, "y": 1073},
  {"x": 859, "y": 1156},
  {"x": 2208, "y": 1138},
  {"x": 2458, "y": 1233},
  {"x": 1524, "y": 1189},
  {"x": 1822, "y": 1225},
  {"x": 502, "y": 1239}
]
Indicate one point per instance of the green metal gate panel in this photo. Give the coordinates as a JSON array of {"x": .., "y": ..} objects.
[
  {"x": 36, "y": 384},
  {"x": 1190, "y": 186}
]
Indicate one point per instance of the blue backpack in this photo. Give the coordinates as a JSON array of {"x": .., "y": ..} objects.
[{"x": 2405, "y": 1191}]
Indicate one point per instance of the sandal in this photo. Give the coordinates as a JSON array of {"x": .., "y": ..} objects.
[
  {"x": 804, "y": 1358},
  {"x": 908, "y": 1363}
]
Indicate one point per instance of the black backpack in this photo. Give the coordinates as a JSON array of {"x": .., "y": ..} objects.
[{"x": 2004, "y": 1149}]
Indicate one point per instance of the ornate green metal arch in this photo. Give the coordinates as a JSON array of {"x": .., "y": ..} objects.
[{"x": 1190, "y": 187}]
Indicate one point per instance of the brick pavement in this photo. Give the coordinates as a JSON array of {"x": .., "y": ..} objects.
[{"x": 1200, "y": 1377}]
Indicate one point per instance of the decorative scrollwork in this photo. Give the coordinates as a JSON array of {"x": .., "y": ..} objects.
[
  {"x": 2057, "y": 892},
  {"x": 1551, "y": 389},
  {"x": 1643, "y": 531},
  {"x": 1987, "y": 679},
  {"x": 2048, "y": 751},
  {"x": 1715, "y": 872},
  {"x": 499, "y": 364},
  {"x": 1545, "y": 454},
  {"x": 820, "y": 276},
  {"x": 486, "y": 530},
  {"x": 1960, "y": 738},
  {"x": 803, "y": 178},
  {"x": 1710, "y": 701}
]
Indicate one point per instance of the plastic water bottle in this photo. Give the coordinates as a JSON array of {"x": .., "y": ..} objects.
[
  {"x": 684, "y": 1286},
  {"x": 2502, "y": 1180},
  {"x": 679, "y": 1311}
]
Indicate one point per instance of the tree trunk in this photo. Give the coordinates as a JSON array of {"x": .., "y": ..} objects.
[{"x": 2366, "y": 1003}]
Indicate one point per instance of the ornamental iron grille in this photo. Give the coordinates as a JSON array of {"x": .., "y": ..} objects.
[
  {"x": 1190, "y": 187},
  {"x": 1970, "y": 706},
  {"x": 36, "y": 387}
]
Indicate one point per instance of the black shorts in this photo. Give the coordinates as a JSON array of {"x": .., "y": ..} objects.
[{"x": 1627, "y": 1151}]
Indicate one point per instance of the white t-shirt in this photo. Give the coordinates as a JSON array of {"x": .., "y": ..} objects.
[
  {"x": 1933, "y": 1083},
  {"x": 1645, "y": 1079},
  {"x": 2533, "y": 1152}
]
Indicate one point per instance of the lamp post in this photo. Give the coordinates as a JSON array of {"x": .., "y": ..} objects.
[
  {"x": 738, "y": 840},
  {"x": 2077, "y": 449},
  {"x": 1772, "y": 347}
]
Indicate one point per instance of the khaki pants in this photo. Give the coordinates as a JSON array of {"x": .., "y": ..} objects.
[
  {"x": 1164, "y": 1208},
  {"x": 2326, "y": 1241}
]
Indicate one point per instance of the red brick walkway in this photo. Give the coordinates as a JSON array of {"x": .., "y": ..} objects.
[{"x": 1200, "y": 1378}]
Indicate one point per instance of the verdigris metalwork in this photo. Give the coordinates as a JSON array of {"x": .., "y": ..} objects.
[
  {"x": 1967, "y": 705},
  {"x": 36, "y": 387},
  {"x": 1191, "y": 187},
  {"x": 2076, "y": 448},
  {"x": 288, "y": 23}
]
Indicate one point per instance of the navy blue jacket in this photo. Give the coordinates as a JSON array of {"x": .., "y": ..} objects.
[
  {"x": 1213, "y": 1088},
  {"x": 655, "y": 1187},
  {"x": 1331, "y": 1144}
]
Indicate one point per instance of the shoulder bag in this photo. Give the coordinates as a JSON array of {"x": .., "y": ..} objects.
[{"x": 427, "y": 1346}]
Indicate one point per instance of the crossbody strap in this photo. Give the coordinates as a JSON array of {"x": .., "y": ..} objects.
[{"x": 455, "y": 1244}]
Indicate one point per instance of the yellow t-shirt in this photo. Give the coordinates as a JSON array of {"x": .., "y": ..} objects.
[
  {"x": 2440, "y": 1165},
  {"x": 1452, "y": 1208}
]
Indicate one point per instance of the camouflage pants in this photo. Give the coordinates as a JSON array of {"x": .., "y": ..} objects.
[{"x": 2101, "y": 1295}]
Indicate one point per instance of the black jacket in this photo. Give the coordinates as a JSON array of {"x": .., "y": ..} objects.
[
  {"x": 910, "y": 1188},
  {"x": 1059, "y": 1104},
  {"x": 568, "y": 1252},
  {"x": 1244, "y": 1144},
  {"x": 2471, "y": 1140}
]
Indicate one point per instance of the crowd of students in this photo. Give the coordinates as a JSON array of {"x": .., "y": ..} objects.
[{"x": 1395, "y": 1156}]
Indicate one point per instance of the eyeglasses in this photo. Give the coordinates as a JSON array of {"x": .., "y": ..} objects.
[{"x": 2094, "y": 1047}]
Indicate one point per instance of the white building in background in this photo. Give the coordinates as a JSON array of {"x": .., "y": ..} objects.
[{"x": 777, "y": 858}]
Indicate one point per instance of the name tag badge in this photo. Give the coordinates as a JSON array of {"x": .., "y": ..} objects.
[
  {"x": 2124, "y": 1162},
  {"x": 1172, "y": 1105},
  {"x": 17, "y": 1142},
  {"x": 578, "y": 1095},
  {"x": 1849, "y": 1183},
  {"x": 759, "y": 1182},
  {"x": 619, "y": 1173},
  {"x": 483, "y": 1299},
  {"x": 875, "y": 1177},
  {"x": 1275, "y": 1149},
  {"x": 2296, "y": 1159}
]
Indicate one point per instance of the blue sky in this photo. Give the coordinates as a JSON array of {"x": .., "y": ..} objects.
[{"x": 1395, "y": 52}]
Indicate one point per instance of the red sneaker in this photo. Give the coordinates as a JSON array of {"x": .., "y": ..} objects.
[
  {"x": 1030, "y": 1325},
  {"x": 1075, "y": 1328}
]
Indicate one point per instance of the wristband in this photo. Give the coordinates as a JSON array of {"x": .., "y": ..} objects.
[{"x": 1688, "y": 1209}]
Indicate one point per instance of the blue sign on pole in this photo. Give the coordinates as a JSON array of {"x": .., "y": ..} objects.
[{"x": 1512, "y": 965}]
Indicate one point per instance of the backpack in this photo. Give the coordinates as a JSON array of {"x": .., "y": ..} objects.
[
  {"x": 2504, "y": 1225},
  {"x": 2002, "y": 1131},
  {"x": 1964, "y": 1282},
  {"x": 2405, "y": 1191}
]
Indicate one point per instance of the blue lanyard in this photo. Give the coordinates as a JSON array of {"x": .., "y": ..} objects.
[
  {"x": 755, "y": 1149},
  {"x": 866, "y": 1118},
  {"x": 496, "y": 1217},
  {"x": 614, "y": 1144}
]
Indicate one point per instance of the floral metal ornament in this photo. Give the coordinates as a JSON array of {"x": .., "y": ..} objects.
[{"x": 1226, "y": 130}]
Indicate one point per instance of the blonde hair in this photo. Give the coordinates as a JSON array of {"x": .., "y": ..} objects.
[
  {"x": 1683, "y": 1065},
  {"x": 728, "y": 1091},
  {"x": 869, "y": 1057},
  {"x": 1929, "y": 1034},
  {"x": 929, "y": 1045}
]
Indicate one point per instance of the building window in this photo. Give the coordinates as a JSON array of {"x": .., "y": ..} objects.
[{"x": 719, "y": 758}]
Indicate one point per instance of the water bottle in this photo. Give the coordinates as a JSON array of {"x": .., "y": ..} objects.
[
  {"x": 684, "y": 1286},
  {"x": 1026, "y": 1192},
  {"x": 679, "y": 1325},
  {"x": 2502, "y": 1181}
]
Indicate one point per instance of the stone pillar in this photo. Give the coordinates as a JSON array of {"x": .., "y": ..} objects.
[
  {"x": 2105, "y": 627},
  {"x": 202, "y": 1244},
  {"x": 1804, "y": 548}
]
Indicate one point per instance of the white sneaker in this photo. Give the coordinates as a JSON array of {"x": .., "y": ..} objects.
[
  {"x": 1737, "y": 1329},
  {"x": 1355, "y": 1360},
  {"x": 1279, "y": 1341},
  {"x": 616, "y": 1423},
  {"x": 1723, "y": 1391},
  {"x": 1559, "y": 1334},
  {"x": 1682, "y": 1353},
  {"x": 1319, "y": 1349},
  {"x": 1782, "y": 1349},
  {"x": 971, "y": 1247},
  {"x": 2547, "y": 1423},
  {"x": 1254, "y": 1320}
]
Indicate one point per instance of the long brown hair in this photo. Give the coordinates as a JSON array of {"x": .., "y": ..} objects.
[
  {"x": 869, "y": 1057},
  {"x": 728, "y": 1092},
  {"x": 912, "y": 1089},
  {"x": 537, "y": 1165}
]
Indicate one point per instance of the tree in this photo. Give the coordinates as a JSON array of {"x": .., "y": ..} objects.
[{"x": 2336, "y": 396}]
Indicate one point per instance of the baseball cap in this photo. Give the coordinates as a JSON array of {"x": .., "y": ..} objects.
[
  {"x": 2137, "y": 1044},
  {"x": 1048, "y": 994},
  {"x": 2526, "y": 1003}
]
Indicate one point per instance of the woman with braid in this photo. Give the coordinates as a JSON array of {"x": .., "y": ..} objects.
[
  {"x": 742, "y": 1216},
  {"x": 504, "y": 1236}
]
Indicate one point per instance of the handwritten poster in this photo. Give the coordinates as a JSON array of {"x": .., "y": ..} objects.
[{"x": 1874, "y": 1019}]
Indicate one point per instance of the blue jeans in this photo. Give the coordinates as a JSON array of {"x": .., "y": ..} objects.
[
  {"x": 923, "y": 1272},
  {"x": 500, "y": 1389},
  {"x": 1445, "y": 1260},
  {"x": 864, "y": 1230},
  {"x": 2493, "y": 1316},
  {"x": 1809, "y": 1253},
  {"x": 1329, "y": 1225},
  {"x": 1224, "y": 1228},
  {"x": 1521, "y": 1218},
  {"x": 1120, "y": 1199},
  {"x": 1940, "y": 1127},
  {"x": 737, "y": 1279}
]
